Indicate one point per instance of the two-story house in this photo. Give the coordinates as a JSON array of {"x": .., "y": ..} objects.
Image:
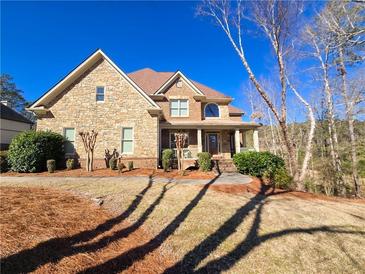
[{"x": 137, "y": 113}]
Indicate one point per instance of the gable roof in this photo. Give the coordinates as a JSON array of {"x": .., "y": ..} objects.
[
  {"x": 151, "y": 81},
  {"x": 81, "y": 68},
  {"x": 8, "y": 113}
]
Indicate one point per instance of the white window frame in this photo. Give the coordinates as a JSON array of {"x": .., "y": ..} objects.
[
  {"x": 122, "y": 139},
  {"x": 96, "y": 94},
  {"x": 74, "y": 141},
  {"x": 179, "y": 107},
  {"x": 219, "y": 111}
]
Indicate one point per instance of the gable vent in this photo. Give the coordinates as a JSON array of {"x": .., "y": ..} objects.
[{"x": 179, "y": 83}]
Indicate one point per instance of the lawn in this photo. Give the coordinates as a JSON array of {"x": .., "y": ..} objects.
[{"x": 175, "y": 228}]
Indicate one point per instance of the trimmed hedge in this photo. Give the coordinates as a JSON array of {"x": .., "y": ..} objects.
[
  {"x": 258, "y": 163},
  {"x": 205, "y": 161},
  {"x": 30, "y": 150},
  {"x": 4, "y": 167}
]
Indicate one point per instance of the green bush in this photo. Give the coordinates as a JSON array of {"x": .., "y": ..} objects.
[
  {"x": 4, "y": 167},
  {"x": 51, "y": 165},
  {"x": 258, "y": 163},
  {"x": 204, "y": 161},
  {"x": 130, "y": 165},
  {"x": 282, "y": 179},
  {"x": 113, "y": 163},
  {"x": 120, "y": 167},
  {"x": 70, "y": 164},
  {"x": 167, "y": 155},
  {"x": 29, "y": 150}
]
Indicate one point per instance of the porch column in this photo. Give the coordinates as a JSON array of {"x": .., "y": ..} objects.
[
  {"x": 256, "y": 140},
  {"x": 237, "y": 142},
  {"x": 200, "y": 143}
]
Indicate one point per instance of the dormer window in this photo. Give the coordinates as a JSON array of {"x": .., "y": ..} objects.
[
  {"x": 211, "y": 110},
  {"x": 100, "y": 94}
]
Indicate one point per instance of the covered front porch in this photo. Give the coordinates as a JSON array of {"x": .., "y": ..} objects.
[{"x": 221, "y": 140}]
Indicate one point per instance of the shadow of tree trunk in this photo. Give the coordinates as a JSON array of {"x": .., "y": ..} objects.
[
  {"x": 55, "y": 249},
  {"x": 125, "y": 260}
]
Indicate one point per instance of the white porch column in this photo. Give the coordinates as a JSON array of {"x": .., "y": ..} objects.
[
  {"x": 256, "y": 140},
  {"x": 200, "y": 143},
  {"x": 237, "y": 142}
]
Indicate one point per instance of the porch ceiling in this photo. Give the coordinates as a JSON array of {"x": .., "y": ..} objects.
[{"x": 209, "y": 124}]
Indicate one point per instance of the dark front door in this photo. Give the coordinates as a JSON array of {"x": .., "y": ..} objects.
[{"x": 213, "y": 143}]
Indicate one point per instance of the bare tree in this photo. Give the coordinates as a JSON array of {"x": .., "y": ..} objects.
[
  {"x": 322, "y": 49},
  {"x": 89, "y": 140},
  {"x": 345, "y": 22},
  {"x": 180, "y": 140},
  {"x": 276, "y": 19},
  {"x": 338, "y": 33}
]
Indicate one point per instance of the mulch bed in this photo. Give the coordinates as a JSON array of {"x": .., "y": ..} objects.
[
  {"x": 106, "y": 172},
  {"x": 257, "y": 185},
  {"x": 50, "y": 231}
]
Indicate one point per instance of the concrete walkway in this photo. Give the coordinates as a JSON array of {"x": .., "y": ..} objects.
[{"x": 224, "y": 178}]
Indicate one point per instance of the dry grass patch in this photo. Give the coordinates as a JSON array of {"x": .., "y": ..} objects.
[
  {"x": 45, "y": 230},
  {"x": 211, "y": 231}
]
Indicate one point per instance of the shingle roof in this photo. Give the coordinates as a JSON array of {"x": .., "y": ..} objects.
[
  {"x": 150, "y": 81},
  {"x": 8, "y": 113}
]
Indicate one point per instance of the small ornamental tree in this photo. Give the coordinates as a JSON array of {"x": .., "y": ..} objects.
[
  {"x": 180, "y": 140},
  {"x": 89, "y": 140}
]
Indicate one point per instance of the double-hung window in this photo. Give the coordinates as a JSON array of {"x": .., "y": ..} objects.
[
  {"x": 69, "y": 145},
  {"x": 100, "y": 94},
  {"x": 127, "y": 140},
  {"x": 179, "y": 108}
]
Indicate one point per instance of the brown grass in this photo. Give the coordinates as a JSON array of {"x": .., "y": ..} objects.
[
  {"x": 214, "y": 231},
  {"x": 257, "y": 185},
  {"x": 53, "y": 226},
  {"x": 106, "y": 172}
]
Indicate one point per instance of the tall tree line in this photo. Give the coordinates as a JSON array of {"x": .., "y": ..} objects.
[{"x": 328, "y": 46}]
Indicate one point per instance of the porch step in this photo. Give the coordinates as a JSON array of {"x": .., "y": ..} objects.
[{"x": 226, "y": 165}]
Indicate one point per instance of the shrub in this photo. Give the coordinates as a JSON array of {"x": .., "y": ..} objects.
[
  {"x": 130, "y": 165},
  {"x": 51, "y": 165},
  {"x": 120, "y": 167},
  {"x": 4, "y": 161},
  {"x": 258, "y": 163},
  {"x": 167, "y": 155},
  {"x": 282, "y": 179},
  {"x": 204, "y": 161},
  {"x": 113, "y": 163},
  {"x": 70, "y": 164},
  {"x": 29, "y": 150}
]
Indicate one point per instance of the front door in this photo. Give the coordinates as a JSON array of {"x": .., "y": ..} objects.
[{"x": 213, "y": 143}]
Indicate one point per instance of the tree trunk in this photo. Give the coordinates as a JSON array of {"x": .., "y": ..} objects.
[
  {"x": 308, "y": 148},
  {"x": 350, "y": 119},
  {"x": 333, "y": 140},
  {"x": 87, "y": 161}
]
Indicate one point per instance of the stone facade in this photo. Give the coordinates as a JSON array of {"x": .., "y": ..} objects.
[{"x": 76, "y": 107}]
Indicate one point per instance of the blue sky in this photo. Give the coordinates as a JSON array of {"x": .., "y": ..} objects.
[{"x": 42, "y": 41}]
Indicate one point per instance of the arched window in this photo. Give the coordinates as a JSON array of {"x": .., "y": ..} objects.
[{"x": 211, "y": 110}]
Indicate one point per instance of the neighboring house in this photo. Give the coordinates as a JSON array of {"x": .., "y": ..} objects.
[
  {"x": 137, "y": 113},
  {"x": 11, "y": 124}
]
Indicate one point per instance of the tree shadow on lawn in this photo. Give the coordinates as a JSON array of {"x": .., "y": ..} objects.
[
  {"x": 192, "y": 259},
  {"x": 56, "y": 249},
  {"x": 53, "y": 250}
]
